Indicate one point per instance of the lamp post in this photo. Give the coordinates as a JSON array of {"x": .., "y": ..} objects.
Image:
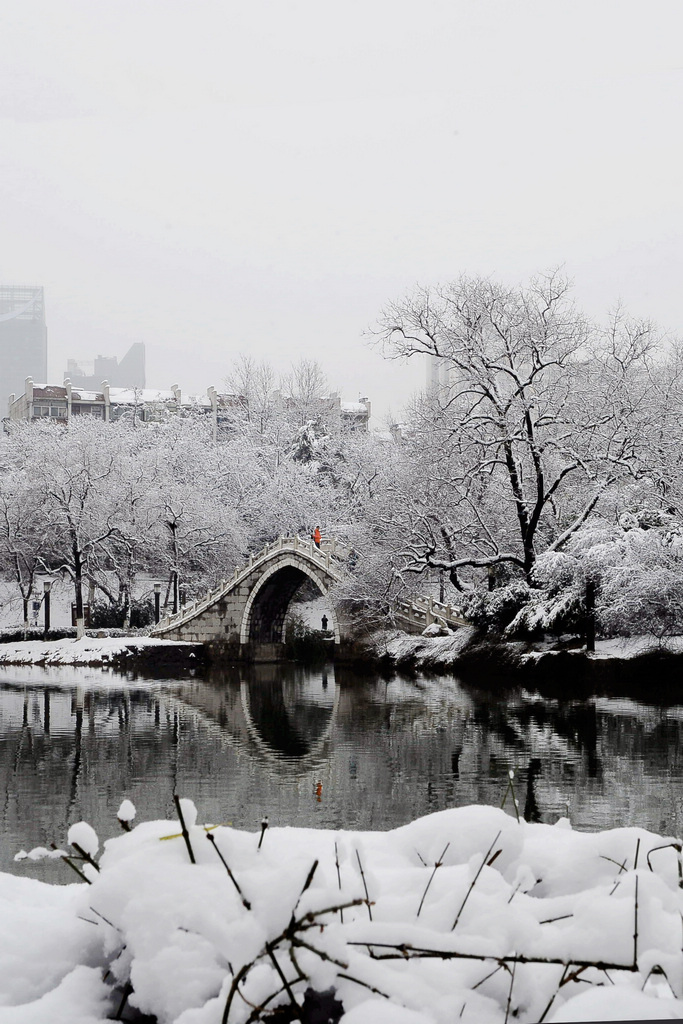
[
  {"x": 46, "y": 606},
  {"x": 157, "y": 601}
]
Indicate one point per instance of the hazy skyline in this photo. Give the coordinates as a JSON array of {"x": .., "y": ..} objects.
[{"x": 213, "y": 178}]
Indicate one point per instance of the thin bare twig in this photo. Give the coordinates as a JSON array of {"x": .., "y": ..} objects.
[
  {"x": 362, "y": 875},
  {"x": 312, "y": 915},
  {"x": 336, "y": 860},
  {"x": 664, "y": 846},
  {"x": 185, "y": 833},
  {"x": 431, "y": 877},
  {"x": 635, "y": 927},
  {"x": 309, "y": 879},
  {"x": 554, "y": 995},
  {"x": 658, "y": 969},
  {"x": 242, "y": 973},
  {"x": 127, "y": 989},
  {"x": 474, "y": 880},
  {"x": 72, "y": 865},
  {"x": 85, "y": 856},
  {"x": 245, "y": 901},
  {"x": 487, "y": 976},
  {"x": 405, "y": 951},
  {"x": 514, "y": 892},
  {"x": 511, "y": 789},
  {"x": 357, "y": 981},
  {"x": 509, "y": 1002},
  {"x": 622, "y": 866},
  {"x": 285, "y": 983}
]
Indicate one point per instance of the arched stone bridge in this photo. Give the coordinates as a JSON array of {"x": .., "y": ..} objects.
[{"x": 249, "y": 610}]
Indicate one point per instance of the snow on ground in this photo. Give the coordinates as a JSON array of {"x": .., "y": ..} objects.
[
  {"x": 631, "y": 647},
  {"x": 622, "y": 647},
  {"x": 423, "y": 651},
  {"x": 470, "y": 916},
  {"x": 86, "y": 651}
]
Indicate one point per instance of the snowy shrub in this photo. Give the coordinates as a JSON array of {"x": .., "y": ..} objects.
[
  {"x": 556, "y": 601},
  {"x": 111, "y": 616},
  {"x": 546, "y": 612},
  {"x": 494, "y": 610},
  {"x": 466, "y": 914},
  {"x": 639, "y": 575},
  {"x": 636, "y": 568}
]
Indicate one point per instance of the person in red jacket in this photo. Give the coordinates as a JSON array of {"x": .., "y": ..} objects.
[{"x": 317, "y": 536}]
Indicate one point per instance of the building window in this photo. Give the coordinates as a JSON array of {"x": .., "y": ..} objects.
[{"x": 79, "y": 409}]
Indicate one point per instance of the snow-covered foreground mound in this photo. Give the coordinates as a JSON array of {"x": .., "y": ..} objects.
[
  {"x": 86, "y": 651},
  {"x": 464, "y": 915}
]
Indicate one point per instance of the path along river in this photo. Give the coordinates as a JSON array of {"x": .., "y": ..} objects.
[{"x": 317, "y": 747}]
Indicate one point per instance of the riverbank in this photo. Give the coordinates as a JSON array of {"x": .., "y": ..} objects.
[
  {"x": 621, "y": 665},
  {"x": 626, "y": 666},
  {"x": 465, "y": 914},
  {"x": 119, "y": 652}
]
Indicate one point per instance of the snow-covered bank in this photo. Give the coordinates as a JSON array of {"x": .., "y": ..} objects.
[
  {"x": 468, "y": 652},
  {"x": 623, "y": 648},
  {"x": 97, "y": 651},
  {"x": 462, "y": 915},
  {"x": 421, "y": 652}
]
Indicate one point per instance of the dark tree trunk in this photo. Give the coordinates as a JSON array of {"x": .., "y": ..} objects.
[
  {"x": 590, "y": 616},
  {"x": 78, "y": 586}
]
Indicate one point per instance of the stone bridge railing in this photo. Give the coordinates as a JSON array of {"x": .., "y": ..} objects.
[
  {"x": 323, "y": 555},
  {"x": 415, "y": 614},
  {"x": 420, "y": 612}
]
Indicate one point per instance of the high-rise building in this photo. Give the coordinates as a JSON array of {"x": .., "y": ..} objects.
[
  {"x": 438, "y": 373},
  {"x": 23, "y": 337},
  {"x": 129, "y": 373}
]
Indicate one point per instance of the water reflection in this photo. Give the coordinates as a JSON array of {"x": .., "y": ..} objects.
[{"x": 323, "y": 748}]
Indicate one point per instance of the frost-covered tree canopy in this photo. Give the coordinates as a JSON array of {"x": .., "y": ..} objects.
[{"x": 548, "y": 457}]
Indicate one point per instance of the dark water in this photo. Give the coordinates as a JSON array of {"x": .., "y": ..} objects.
[{"x": 308, "y": 747}]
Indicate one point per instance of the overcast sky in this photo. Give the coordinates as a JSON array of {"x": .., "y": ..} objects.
[{"x": 218, "y": 177}]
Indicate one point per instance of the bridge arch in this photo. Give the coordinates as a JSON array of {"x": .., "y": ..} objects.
[
  {"x": 249, "y": 610},
  {"x": 265, "y": 610}
]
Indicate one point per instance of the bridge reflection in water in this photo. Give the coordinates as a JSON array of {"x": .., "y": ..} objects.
[
  {"x": 284, "y": 719},
  {"x": 316, "y": 747}
]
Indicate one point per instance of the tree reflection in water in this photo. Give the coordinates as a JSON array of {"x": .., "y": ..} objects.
[{"x": 325, "y": 748}]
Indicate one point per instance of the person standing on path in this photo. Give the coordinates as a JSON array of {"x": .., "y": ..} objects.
[{"x": 317, "y": 536}]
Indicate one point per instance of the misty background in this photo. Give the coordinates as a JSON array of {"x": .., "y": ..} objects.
[{"x": 215, "y": 178}]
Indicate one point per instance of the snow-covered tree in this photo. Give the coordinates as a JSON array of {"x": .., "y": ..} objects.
[
  {"x": 25, "y": 534},
  {"x": 72, "y": 471},
  {"x": 540, "y": 413},
  {"x": 634, "y": 566}
]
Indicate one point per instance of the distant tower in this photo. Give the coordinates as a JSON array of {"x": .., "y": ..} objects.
[
  {"x": 129, "y": 373},
  {"x": 438, "y": 373},
  {"x": 23, "y": 338}
]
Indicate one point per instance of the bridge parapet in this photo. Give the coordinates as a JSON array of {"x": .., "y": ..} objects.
[{"x": 420, "y": 612}]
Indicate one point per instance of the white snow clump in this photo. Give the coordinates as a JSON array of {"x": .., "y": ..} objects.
[
  {"x": 84, "y": 835},
  {"x": 126, "y": 811},
  {"x": 196, "y": 942}
]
